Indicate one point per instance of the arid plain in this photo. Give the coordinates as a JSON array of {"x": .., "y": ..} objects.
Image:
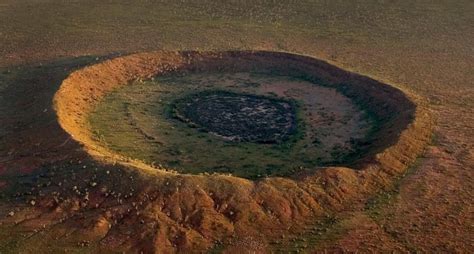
[{"x": 56, "y": 197}]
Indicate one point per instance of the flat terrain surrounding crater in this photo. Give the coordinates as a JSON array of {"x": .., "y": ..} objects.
[{"x": 256, "y": 125}]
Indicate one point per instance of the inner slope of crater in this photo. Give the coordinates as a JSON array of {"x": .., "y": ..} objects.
[{"x": 248, "y": 124}]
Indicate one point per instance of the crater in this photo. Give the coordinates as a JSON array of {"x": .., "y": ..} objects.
[
  {"x": 250, "y": 114},
  {"x": 354, "y": 136}
]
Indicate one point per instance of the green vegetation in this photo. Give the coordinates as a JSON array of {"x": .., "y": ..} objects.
[{"x": 219, "y": 122}]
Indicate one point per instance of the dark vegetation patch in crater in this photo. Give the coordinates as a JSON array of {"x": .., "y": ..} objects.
[{"x": 239, "y": 117}]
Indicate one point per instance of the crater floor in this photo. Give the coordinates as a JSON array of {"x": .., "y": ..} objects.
[{"x": 251, "y": 125}]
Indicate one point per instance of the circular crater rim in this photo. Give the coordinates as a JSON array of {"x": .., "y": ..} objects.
[{"x": 396, "y": 110}]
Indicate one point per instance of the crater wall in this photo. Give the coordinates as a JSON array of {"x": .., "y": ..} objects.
[{"x": 207, "y": 208}]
